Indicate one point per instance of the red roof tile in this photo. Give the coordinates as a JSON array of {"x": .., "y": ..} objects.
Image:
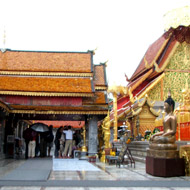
[
  {"x": 45, "y": 61},
  {"x": 149, "y": 55},
  {"x": 45, "y": 84},
  {"x": 134, "y": 84},
  {"x": 99, "y": 78}
]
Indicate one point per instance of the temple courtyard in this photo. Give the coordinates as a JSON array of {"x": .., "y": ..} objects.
[{"x": 58, "y": 174}]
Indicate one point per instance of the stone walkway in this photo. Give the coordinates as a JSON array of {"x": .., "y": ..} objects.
[{"x": 105, "y": 177}]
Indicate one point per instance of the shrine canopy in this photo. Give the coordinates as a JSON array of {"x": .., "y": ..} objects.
[{"x": 45, "y": 85}]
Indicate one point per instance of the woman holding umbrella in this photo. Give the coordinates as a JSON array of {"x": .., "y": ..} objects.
[
  {"x": 32, "y": 145},
  {"x": 42, "y": 129}
]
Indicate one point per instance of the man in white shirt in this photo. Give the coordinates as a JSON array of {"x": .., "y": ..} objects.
[{"x": 69, "y": 142}]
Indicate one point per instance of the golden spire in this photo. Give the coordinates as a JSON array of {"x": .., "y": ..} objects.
[{"x": 177, "y": 17}]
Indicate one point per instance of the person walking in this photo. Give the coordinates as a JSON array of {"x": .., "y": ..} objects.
[
  {"x": 37, "y": 149},
  {"x": 32, "y": 145},
  {"x": 69, "y": 143},
  {"x": 62, "y": 145},
  {"x": 49, "y": 139}
]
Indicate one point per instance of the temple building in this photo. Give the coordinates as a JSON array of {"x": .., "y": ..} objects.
[
  {"x": 56, "y": 86},
  {"x": 165, "y": 66}
]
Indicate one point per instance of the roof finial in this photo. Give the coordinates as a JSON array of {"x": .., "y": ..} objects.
[
  {"x": 104, "y": 63},
  {"x": 93, "y": 51}
]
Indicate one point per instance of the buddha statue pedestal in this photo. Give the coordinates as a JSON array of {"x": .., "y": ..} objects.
[{"x": 163, "y": 161}]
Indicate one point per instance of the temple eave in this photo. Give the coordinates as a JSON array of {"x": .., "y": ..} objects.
[
  {"x": 103, "y": 112},
  {"x": 50, "y": 94},
  {"x": 25, "y": 73},
  {"x": 101, "y": 87}
]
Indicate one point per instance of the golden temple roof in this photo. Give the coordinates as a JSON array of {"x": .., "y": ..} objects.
[
  {"x": 177, "y": 17},
  {"x": 35, "y": 82},
  {"x": 45, "y": 84}
]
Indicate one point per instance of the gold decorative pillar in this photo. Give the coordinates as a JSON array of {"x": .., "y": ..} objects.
[
  {"x": 116, "y": 90},
  {"x": 115, "y": 116},
  {"x": 178, "y": 110}
]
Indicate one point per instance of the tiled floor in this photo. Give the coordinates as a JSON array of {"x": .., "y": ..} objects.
[
  {"x": 90, "y": 188},
  {"x": 73, "y": 165},
  {"x": 105, "y": 172}
]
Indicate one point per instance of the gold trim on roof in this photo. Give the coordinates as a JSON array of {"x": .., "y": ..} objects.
[
  {"x": 141, "y": 80},
  {"x": 140, "y": 104},
  {"x": 7, "y": 109},
  {"x": 134, "y": 113},
  {"x": 156, "y": 113},
  {"x": 151, "y": 86},
  {"x": 46, "y": 94},
  {"x": 132, "y": 99},
  {"x": 151, "y": 104},
  {"x": 100, "y": 88},
  {"x": 148, "y": 66},
  {"x": 46, "y": 73},
  {"x": 58, "y": 112},
  {"x": 177, "y": 17},
  {"x": 4, "y": 106},
  {"x": 124, "y": 113},
  {"x": 159, "y": 70}
]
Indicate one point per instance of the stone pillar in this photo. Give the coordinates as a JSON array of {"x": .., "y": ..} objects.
[{"x": 92, "y": 135}]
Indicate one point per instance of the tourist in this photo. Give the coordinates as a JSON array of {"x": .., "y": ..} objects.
[
  {"x": 69, "y": 143},
  {"x": 43, "y": 145},
  {"x": 27, "y": 137},
  {"x": 32, "y": 145},
  {"x": 37, "y": 149},
  {"x": 49, "y": 139},
  {"x": 57, "y": 141},
  {"x": 77, "y": 138},
  {"x": 62, "y": 144}
]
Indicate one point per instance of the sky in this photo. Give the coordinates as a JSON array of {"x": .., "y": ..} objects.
[{"x": 120, "y": 31}]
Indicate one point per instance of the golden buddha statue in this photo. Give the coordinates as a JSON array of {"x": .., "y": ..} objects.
[
  {"x": 162, "y": 144},
  {"x": 106, "y": 131},
  {"x": 84, "y": 148}
]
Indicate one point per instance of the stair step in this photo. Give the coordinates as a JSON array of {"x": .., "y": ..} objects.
[
  {"x": 138, "y": 153},
  {"x": 137, "y": 149},
  {"x": 139, "y": 159}
]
